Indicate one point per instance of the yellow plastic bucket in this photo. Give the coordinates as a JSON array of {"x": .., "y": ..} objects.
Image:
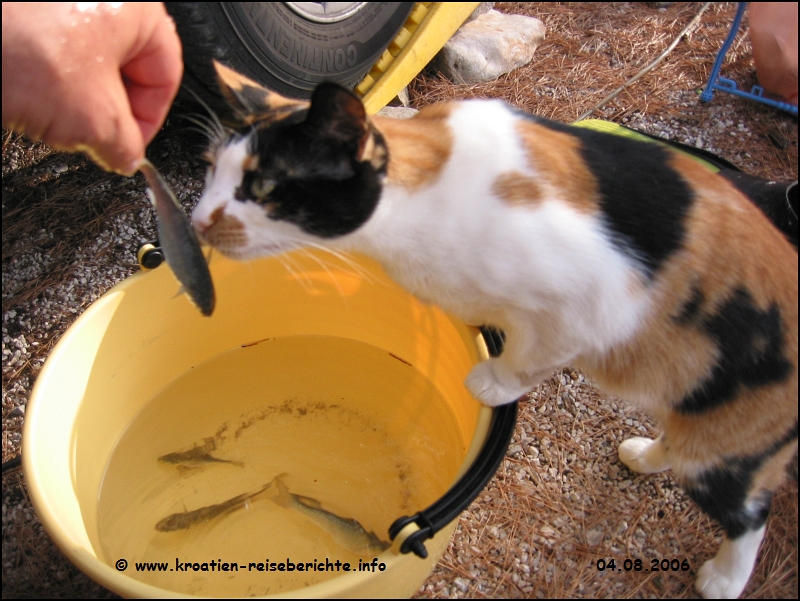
[{"x": 305, "y": 337}]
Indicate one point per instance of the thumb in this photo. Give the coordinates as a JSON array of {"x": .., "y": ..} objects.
[{"x": 118, "y": 144}]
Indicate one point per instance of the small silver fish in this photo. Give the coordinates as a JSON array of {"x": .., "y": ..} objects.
[
  {"x": 177, "y": 239},
  {"x": 197, "y": 455},
  {"x": 348, "y": 533},
  {"x": 187, "y": 519}
]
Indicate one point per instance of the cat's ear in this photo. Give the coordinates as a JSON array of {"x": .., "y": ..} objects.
[
  {"x": 251, "y": 101},
  {"x": 337, "y": 112}
]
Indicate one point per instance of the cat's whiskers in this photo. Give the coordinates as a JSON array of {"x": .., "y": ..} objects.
[
  {"x": 209, "y": 125},
  {"x": 321, "y": 263},
  {"x": 344, "y": 257},
  {"x": 200, "y": 130},
  {"x": 210, "y": 128},
  {"x": 291, "y": 266},
  {"x": 215, "y": 124},
  {"x": 205, "y": 128}
]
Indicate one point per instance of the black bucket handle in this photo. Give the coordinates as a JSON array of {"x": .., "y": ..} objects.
[{"x": 465, "y": 491}]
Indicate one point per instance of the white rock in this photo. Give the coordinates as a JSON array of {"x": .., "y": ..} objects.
[
  {"x": 398, "y": 112},
  {"x": 489, "y": 46},
  {"x": 594, "y": 536},
  {"x": 461, "y": 584}
]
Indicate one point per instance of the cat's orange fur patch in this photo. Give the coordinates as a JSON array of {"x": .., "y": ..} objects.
[
  {"x": 555, "y": 158},
  {"x": 418, "y": 147},
  {"x": 225, "y": 231},
  {"x": 369, "y": 150},
  {"x": 250, "y": 162},
  {"x": 773, "y": 473},
  {"x": 516, "y": 188}
]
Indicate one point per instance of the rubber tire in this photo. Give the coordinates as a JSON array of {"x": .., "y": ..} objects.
[{"x": 234, "y": 34}]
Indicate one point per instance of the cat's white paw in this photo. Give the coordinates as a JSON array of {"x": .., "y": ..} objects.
[
  {"x": 643, "y": 456},
  {"x": 725, "y": 576},
  {"x": 713, "y": 583},
  {"x": 483, "y": 383}
]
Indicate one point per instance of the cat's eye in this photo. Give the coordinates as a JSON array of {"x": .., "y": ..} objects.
[{"x": 261, "y": 188}]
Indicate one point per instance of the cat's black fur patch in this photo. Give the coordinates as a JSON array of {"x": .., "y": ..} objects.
[
  {"x": 691, "y": 308},
  {"x": 320, "y": 186},
  {"x": 643, "y": 198},
  {"x": 328, "y": 207},
  {"x": 251, "y": 98},
  {"x": 750, "y": 344},
  {"x": 722, "y": 492}
]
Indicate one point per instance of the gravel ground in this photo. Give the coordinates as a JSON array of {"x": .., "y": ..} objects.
[{"x": 561, "y": 500}]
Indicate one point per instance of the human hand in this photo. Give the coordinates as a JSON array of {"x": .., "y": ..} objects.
[{"x": 91, "y": 77}]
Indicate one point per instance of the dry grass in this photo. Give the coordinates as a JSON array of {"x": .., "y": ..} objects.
[{"x": 560, "y": 500}]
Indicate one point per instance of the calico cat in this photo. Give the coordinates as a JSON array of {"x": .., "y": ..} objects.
[{"x": 654, "y": 276}]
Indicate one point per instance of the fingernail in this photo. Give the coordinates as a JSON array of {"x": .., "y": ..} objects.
[{"x": 132, "y": 168}]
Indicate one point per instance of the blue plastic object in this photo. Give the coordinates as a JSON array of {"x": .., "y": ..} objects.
[{"x": 728, "y": 85}]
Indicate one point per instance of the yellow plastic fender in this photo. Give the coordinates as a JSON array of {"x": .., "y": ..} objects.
[{"x": 426, "y": 30}]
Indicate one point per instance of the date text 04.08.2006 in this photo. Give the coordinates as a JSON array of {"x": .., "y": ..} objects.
[{"x": 637, "y": 565}]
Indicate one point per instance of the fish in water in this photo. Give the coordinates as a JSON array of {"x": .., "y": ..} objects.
[
  {"x": 195, "y": 457},
  {"x": 179, "y": 243},
  {"x": 348, "y": 533},
  {"x": 187, "y": 519}
]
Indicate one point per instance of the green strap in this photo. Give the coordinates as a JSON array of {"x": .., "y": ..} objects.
[{"x": 621, "y": 130}]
